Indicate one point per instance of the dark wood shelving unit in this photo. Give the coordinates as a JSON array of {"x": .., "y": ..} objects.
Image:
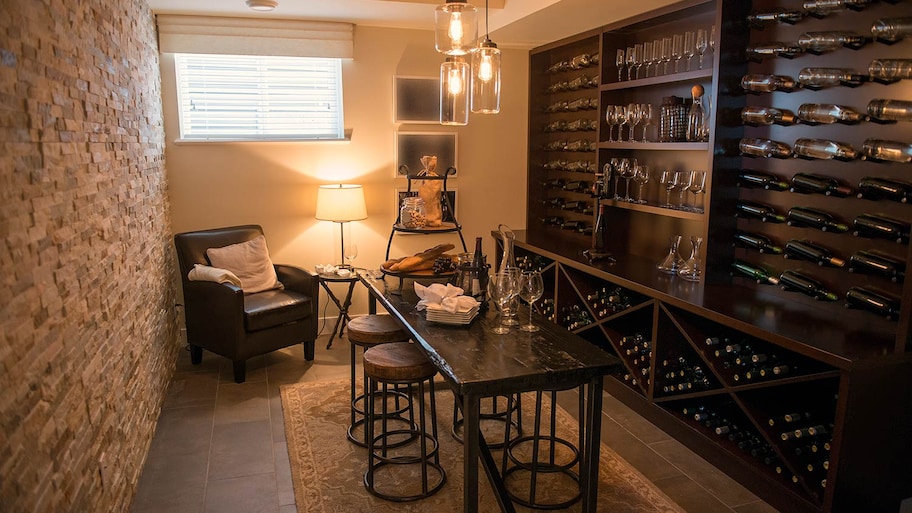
[{"x": 850, "y": 368}]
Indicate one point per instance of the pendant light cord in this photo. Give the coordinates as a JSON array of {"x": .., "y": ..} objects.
[{"x": 487, "y": 34}]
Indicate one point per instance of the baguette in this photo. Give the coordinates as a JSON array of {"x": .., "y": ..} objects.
[{"x": 422, "y": 261}]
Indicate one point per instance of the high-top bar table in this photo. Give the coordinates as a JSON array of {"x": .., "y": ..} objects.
[{"x": 477, "y": 363}]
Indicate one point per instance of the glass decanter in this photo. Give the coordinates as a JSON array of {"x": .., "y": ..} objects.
[
  {"x": 508, "y": 263},
  {"x": 692, "y": 269},
  {"x": 672, "y": 261}
]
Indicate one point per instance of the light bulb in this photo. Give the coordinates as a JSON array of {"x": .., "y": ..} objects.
[
  {"x": 455, "y": 31},
  {"x": 454, "y": 82},
  {"x": 486, "y": 68}
]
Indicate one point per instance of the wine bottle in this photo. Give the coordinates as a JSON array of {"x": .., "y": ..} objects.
[
  {"x": 577, "y": 185},
  {"x": 760, "y": 20},
  {"x": 761, "y": 51},
  {"x": 747, "y": 178},
  {"x": 573, "y": 225},
  {"x": 768, "y": 83},
  {"x": 821, "y": 8},
  {"x": 887, "y": 151},
  {"x": 804, "y": 182},
  {"x": 763, "y": 212},
  {"x": 765, "y": 148},
  {"x": 755, "y": 272},
  {"x": 756, "y": 241},
  {"x": 887, "y": 71},
  {"x": 828, "y": 113},
  {"x": 478, "y": 259},
  {"x": 822, "y": 42},
  {"x": 890, "y": 110},
  {"x": 824, "y": 149},
  {"x": 818, "y": 78},
  {"x": 891, "y": 30},
  {"x": 879, "y": 226},
  {"x": 877, "y": 263},
  {"x": 794, "y": 280},
  {"x": 573, "y": 205},
  {"x": 601, "y": 230},
  {"x": 875, "y": 301},
  {"x": 807, "y": 250},
  {"x": 553, "y": 202},
  {"x": 761, "y": 116},
  {"x": 804, "y": 216},
  {"x": 556, "y": 183},
  {"x": 875, "y": 188},
  {"x": 554, "y": 220}
]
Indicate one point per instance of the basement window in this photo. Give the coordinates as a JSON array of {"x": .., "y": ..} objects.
[{"x": 259, "y": 98}]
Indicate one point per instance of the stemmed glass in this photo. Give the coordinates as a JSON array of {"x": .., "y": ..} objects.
[
  {"x": 712, "y": 38},
  {"x": 641, "y": 177},
  {"x": 622, "y": 120},
  {"x": 682, "y": 182},
  {"x": 633, "y": 119},
  {"x": 503, "y": 288},
  {"x": 677, "y": 49},
  {"x": 619, "y": 61},
  {"x": 616, "y": 165},
  {"x": 701, "y": 44},
  {"x": 350, "y": 253},
  {"x": 612, "y": 116},
  {"x": 697, "y": 186},
  {"x": 657, "y": 55},
  {"x": 689, "y": 47},
  {"x": 531, "y": 288},
  {"x": 667, "y": 179},
  {"x": 666, "y": 54},
  {"x": 631, "y": 61},
  {"x": 628, "y": 171},
  {"x": 647, "y": 115},
  {"x": 638, "y": 58},
  {"x": 648, "y": 57}
]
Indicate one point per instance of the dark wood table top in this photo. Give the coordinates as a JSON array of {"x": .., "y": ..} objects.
[{"x": 478, "y": 362}]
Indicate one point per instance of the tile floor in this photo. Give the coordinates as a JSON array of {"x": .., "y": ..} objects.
[{"x": 220, "y": 447}]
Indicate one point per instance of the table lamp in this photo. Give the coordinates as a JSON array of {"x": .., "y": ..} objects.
[{"x": 341, "y": 203}]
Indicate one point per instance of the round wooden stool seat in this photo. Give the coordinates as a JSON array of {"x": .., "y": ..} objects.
[
  {"x": 399, "y": 361},
  {"x": 370, "y": 330}
]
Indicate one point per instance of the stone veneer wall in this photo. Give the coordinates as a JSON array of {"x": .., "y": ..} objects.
[{"x": 88, "y": 333}]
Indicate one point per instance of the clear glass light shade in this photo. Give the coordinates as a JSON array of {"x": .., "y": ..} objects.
[
  {"x": 486, "y": 78},
  {"x": 454, "y": 92},
  {"x": 456, "y": 27}
]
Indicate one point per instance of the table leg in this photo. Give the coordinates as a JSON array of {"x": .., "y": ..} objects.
[
  {"x": 470, "y": 412},
  {"x": 590, "y": 466}
]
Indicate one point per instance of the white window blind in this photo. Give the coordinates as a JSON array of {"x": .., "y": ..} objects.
[{"x": 248, "y": 97}]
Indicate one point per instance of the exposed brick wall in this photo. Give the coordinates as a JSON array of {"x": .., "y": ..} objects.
[{"x": 88, "y": 334}]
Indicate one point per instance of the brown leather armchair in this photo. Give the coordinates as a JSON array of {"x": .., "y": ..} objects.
[{"x": 221, "y": 319}]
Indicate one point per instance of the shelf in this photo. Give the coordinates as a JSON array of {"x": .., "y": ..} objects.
[
  {"x": 443, "y": 228},
  {"x": 655, "y": 209},
  {"x": 684, "y": 76},
  {"x": 658, "y": 146}
]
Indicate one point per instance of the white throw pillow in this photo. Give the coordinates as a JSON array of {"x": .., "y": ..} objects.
[{"x": 250, "y": 262}]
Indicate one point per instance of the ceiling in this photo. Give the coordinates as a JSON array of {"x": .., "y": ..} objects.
[{"x": 512, "y": 23}]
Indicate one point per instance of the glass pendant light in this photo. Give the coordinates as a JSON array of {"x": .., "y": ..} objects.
[
  {"x": 486, "y": 75},
  {"x": 454, "y": 91},
  {"x": 456, "y": 27}
]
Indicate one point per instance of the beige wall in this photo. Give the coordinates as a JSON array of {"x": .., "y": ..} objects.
[{"x": 275, "y": 184}]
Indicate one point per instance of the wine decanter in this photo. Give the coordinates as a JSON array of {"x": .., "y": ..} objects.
[
  {"x": 692, "y": 269},
  {"x": 672, "y": 261},
  {"x": 507, "y": 263}
]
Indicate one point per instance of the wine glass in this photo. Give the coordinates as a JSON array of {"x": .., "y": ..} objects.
[
  {"x": 667, "y": 179},
  {"x": 503, "y": 288},
  {"x": 641, "y": 177},
  {"x": 619, "y": 61},
  {"x": 638, "y": 58},
  {"x": 701, "y": 43},
  {"x": 633, "y": 119},
  {"x": 648, "y": 57},
  {"x": 677, "y": 49},
  {"x": 628, "y": 171},
  {"x": 712, "y": 38},
  {"x": 611, "y": 119},
  {"x": 616, "y": 166},
  {"x": 647, "y": 114},
  {"x": 682, "y": 182},
  {"x": 631, "y": 61},
  {"x": 697, "y": 186},
  {"x": 350, "y": 253},
  {"x": 666, "y": 54},
  {"x": 531, "y": 288},
  {"x": 689, "y": 47},
  {"x": 622, "y": 120}
]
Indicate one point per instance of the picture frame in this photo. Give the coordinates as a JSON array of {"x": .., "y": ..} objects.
[
  {"x": 416, "y": 99},
  {"x": 449, "y": 216},
  {"x": 411, "y": 146}
]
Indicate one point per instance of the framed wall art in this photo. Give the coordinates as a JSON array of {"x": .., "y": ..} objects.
[
  {"x": 411, "y": 146},
  {"x": 416, "y": 99}
]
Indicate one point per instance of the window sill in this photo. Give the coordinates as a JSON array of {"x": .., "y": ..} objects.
[{"x": 345, "y": 139}]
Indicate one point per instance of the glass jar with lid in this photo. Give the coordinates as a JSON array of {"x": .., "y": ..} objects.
[{"x": 412, "y": 214}]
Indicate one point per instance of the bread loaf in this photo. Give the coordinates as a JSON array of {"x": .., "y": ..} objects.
[{"x": 421, "y": 261}]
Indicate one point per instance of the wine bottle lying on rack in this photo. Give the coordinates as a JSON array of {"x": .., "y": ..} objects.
[
  {"x": 828, "y": 113},
  {"x": 807, "y": 250},
  {"x": 794, "y": 280},
  {"x": 755, "y": 272},
  {"x": 768, "y": 83},
  {"x": 885, "y": 110},
  {"x": 553, "y": 220},
  {"x": 553, "y": 202},
  {"x": 879, "y": 226},
  {"x": 821, "y": 8},
  {"x": 891, "y": 30},
  {"x": 762, "y": 116},
  {"x": 878, "y": 263},
  {"x": 818, "y": 78},
  {"x": 755, "y": 179},
  {"x": 822, "y": 42},
  {"x": 872, "y": 300},
  {"x": 824, "y": 149},
  {"x": 756, "y": 241},
  {"x": 887, "y": 71},
  {"x": 760, "y": 19},
  {"x": 809, "y": 217},
  {"x": 764, "y": 148},
  {"x": 761, "y": 51},
  {"x": 817, "y": 184},
  {"x": 874, "y": 188},
  {"x": 887, "y": 151},
  {"x": 764, "y": 213}
]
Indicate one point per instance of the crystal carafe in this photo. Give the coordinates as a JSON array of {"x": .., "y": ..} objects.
[
  {"x": 692, "y": 269},
  {"x": 696, "y": 118},
  {"x": 672, "y": 261},
  {"x": 508, "y": 262}
]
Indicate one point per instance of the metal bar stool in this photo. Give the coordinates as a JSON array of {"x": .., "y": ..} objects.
[
  {"x": 494, "y": 413},
  {"x": 368, "y": 331},
  {"x": 543, "y": 455},
  {"x": 389, "y": 474}
]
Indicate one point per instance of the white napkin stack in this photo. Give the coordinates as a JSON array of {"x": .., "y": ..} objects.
[{"x": 447, "y": 297}]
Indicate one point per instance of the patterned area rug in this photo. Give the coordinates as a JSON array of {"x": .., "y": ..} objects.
[{"x": 327, "y": 469}]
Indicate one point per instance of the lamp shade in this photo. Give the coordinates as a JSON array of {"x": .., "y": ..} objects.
[{"x": 341, "y": 203}]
